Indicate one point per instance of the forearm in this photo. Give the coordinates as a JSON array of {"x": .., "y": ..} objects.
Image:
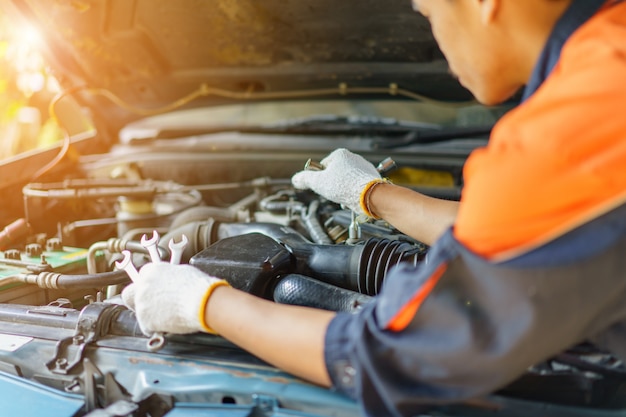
[
  {"x": 417, "y": 215},
  {"x": 289, "y": 337}
]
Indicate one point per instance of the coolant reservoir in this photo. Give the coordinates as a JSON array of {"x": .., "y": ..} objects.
[{"x": 134, "y": 214}]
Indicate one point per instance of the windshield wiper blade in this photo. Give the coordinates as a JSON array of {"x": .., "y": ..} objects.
[
  {"x": 318, "y": 124},
  {"x": 332, "y": 122},
  {"x": 421, "y": 137},
  {"x": 392, "y": 133}
]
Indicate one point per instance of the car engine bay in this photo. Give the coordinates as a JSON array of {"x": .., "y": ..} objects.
[
  {"x": 178, "y": 127},
  {"x": 64, "y": 328}
]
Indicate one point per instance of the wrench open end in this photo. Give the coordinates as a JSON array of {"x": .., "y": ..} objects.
[
  {"x": 152, "y": 241},
  {"x": 152, "y": 246},
  {"x": 127, "y": 265},
  {"x": 177, "y": 249}
]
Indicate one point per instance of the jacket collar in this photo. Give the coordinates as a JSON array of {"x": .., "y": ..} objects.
[{"x": 579, "y": 12}]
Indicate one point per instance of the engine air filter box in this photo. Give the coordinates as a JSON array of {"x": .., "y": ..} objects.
[{"x": 251, "y": 262}]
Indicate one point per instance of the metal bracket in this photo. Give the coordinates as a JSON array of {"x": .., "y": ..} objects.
[{"x": 93, "y": 323}]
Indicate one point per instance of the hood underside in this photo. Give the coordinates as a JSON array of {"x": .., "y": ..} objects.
[{"x": 150, "y": 53}]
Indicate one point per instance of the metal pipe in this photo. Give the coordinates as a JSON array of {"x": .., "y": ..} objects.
[{"x": 53, "y": 280}]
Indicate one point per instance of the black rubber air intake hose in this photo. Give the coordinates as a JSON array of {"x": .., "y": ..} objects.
[
  {"x": 255, "y": 262},
  {"x": 360, "y": 268}
]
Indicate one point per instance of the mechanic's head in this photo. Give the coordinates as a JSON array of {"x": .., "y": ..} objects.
[{"x": 492, "y": 45}]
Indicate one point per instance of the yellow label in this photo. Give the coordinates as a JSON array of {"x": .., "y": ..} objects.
[{"x": 421, "y": 177}]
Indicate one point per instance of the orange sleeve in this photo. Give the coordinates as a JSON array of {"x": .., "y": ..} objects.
[{"x": 559, "y": 159}]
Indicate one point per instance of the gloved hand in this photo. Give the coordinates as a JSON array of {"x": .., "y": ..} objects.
[
  {"x": 344, "y": 179},
  {"x": 171, "y": 298}
]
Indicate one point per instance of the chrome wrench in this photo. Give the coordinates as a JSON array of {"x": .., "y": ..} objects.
[
  {"x": 127, "y": 265},
  {"x": 177, "y": 249},
  {"x": 157, "y": 340},
  {"x": 152, "y": 246}
]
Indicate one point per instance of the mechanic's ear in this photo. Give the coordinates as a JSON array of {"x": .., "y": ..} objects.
[{"x": 489, "y": 10}]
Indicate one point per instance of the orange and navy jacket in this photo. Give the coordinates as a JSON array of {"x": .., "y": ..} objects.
[
  {"x": 559, "y": 159},
  {"x": 535, "y": 262}
]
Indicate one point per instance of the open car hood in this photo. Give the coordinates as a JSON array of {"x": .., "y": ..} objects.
[{"x": 151, "y": 53}]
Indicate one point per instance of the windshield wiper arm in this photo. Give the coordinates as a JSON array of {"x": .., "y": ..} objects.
[
  {"x": 318, "y": 124},
  {"x": 351, "y": 124},
  {"x": 393, "y": 133},
  {"x": 422, "y": 137}
]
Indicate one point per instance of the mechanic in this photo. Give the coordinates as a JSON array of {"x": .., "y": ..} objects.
[{"x": 528, "y": 264}]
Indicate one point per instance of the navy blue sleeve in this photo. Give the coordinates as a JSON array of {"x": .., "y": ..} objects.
[{"x": 481, "y": 327}]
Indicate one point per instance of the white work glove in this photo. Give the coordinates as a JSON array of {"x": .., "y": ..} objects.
[
  {"x": 171, "y": 298},
  {"x": 343, "y": 180}
]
